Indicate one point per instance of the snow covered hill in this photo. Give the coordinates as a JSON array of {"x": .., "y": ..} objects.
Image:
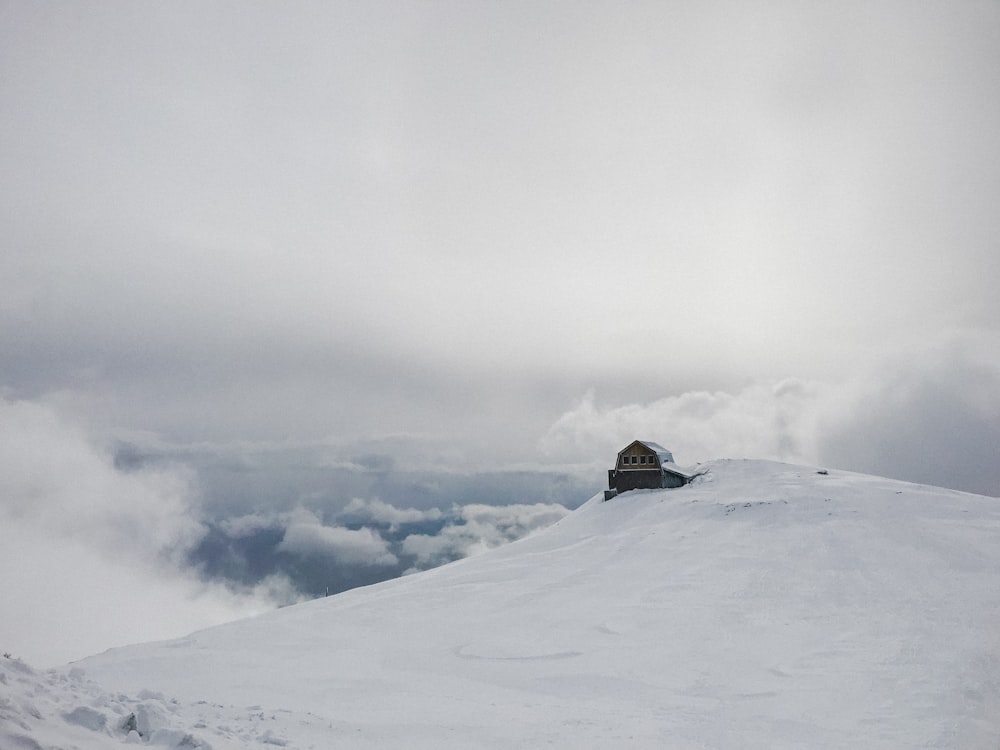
[{"x": 764, "y": 606}]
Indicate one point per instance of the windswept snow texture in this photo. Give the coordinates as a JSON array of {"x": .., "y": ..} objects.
[{"x": 764, "y": 606}]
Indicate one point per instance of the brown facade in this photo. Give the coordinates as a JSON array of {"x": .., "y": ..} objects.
[
  {"x": 644, "y": 465},
  {"x": 637, "y": 457}
]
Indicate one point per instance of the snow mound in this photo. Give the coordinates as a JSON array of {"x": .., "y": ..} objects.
[
  {"x": 762, "y": 606},
  {"x": 56, "y": 709}
]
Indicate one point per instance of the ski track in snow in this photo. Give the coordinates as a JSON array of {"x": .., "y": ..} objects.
[{"x": 764, "y": 606}]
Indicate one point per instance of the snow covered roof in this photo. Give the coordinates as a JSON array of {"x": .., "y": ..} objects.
[
  {"x": 673, "y": 468},
  {"x": 666, "y": 459},
  {"x": 664, "y": 455}
]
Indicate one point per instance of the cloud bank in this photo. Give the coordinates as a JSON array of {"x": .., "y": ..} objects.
[
  {"x": 82, "y": 542},
  {"x": 931, "y": 415},
  {"x": 366, "y": 542}
]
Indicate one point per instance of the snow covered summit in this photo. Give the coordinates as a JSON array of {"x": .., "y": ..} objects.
[{"x": 762, "y": 606}]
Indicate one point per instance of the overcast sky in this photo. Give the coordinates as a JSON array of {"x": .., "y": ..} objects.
[{"x": 262, "y": 261}]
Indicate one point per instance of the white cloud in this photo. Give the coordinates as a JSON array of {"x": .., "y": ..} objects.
[
  {"x": 85, "y": 544},
  {"x": 926, "y": 415},
  {"x": 381, "y": 512},
  {"x": 511, "y": 521},
  {"x": 55, "y": 479},
  {"x": 306, "y": 536},
  {"x": 238, "y": 527},
  {"x": 778, "y": 421},
  {"x": 483, "y": 527},
  {"x": 932, "y": 417}
]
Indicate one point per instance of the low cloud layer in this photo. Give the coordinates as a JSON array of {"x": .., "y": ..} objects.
[
  {"x": 368, "y": 541},
  {"x": 127, "y": 548},
  {"x": 307, "y": 537},
  {"x": 930, "y": 416},
  {"x": 767, "y": 420},
  {"x": 476, "y": 529}
]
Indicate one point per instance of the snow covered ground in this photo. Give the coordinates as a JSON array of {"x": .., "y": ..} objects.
[{"x": 764, "y": 606}]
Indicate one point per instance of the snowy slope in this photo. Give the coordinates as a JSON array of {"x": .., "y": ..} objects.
[{"x": 764, "y": 606}]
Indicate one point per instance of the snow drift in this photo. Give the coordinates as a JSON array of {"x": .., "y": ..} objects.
[{"x": 763, "y": 606}]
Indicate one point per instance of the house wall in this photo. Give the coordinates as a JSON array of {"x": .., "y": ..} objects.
[
  {"x": 641, "y": 476},
  {"x": 672, "y": 480},
  {"x": 637, "y": 450},
  {"x": 650, "y": 479},
  {"x": 623, "y": 481}
]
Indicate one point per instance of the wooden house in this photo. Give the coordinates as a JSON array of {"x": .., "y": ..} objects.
[{"x": 643, "y": 464}]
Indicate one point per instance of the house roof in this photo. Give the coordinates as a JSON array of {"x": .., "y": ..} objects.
[
  {"x": 662, "y": 453},
  {"x": 659, "y": 450},
  {"x": 673, "y": 468},
  {"x": 666, "y": 459}
]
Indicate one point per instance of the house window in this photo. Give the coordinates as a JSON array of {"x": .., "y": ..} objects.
[{"x": 642, "y": 459}]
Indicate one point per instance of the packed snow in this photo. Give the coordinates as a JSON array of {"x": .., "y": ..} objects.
[{"x": 763, "y": 606}]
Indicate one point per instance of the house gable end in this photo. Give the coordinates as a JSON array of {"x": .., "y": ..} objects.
[
  {"x": 643, "y": 464},
  {"x": 638, "y": 456}
]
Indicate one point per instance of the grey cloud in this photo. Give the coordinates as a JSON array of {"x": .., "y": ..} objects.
[
  {"x": 207, "y": 215},
  {"x": 933, "y": 418}
]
